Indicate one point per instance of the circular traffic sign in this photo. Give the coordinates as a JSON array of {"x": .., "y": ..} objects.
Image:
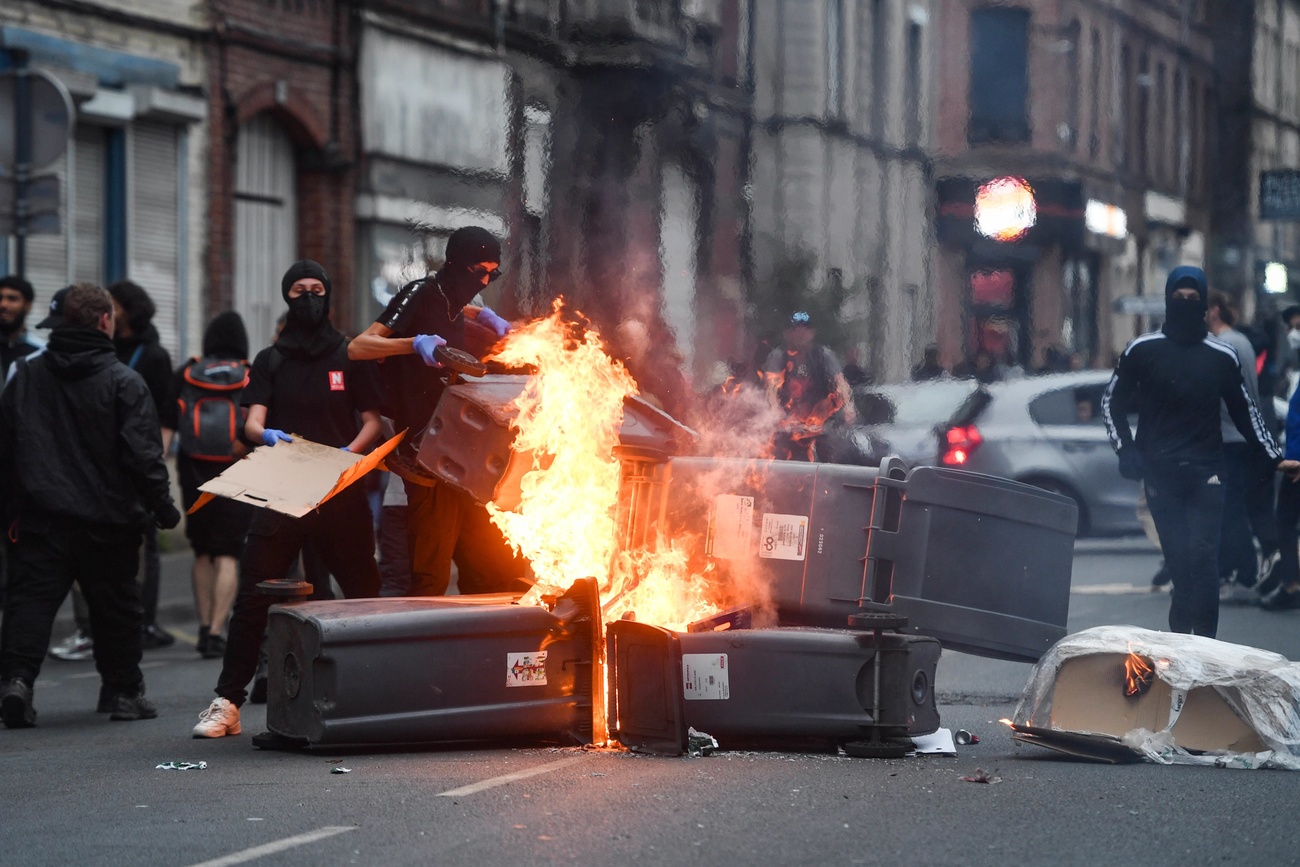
[{"x": 49, "y": 117}]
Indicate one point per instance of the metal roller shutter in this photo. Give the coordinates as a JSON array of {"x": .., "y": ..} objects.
[
  {"x": 86, "y": 205},
  {"x": 154, "y": 223},
  {"x": 266, "y": 224},
  {"x": 47, "y": 255}
]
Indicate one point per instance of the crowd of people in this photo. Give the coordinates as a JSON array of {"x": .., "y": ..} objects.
[{"x": 87, "y": 418}]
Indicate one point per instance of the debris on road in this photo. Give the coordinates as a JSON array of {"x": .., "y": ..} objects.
[
  {"x": 965, "y": 738},
  {"x": 982, "y": 776},
  {"x": 700, "y": 743},
  {"x": 1123, "y": 694},
  {"x": 340, "y": 770},
  {"x": 939, "y": 743},
  {"x": 182, "y": 766}
]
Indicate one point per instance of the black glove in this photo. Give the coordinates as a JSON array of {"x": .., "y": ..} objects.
[
  {"x": 166, "y": 516},
  {"x": 1130, "y": 463}
]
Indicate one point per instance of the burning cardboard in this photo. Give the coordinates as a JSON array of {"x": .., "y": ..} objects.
[
  {"x": 293, "y": 477},
  {"x": 1119, "y": 693}
]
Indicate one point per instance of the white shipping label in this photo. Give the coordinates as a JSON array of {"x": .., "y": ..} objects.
[
  {"x": 526, "y": 669},
  {"x": 733, "y": 526},
  {"x": 704, "y": 677},
  {"x": 784, "y": 537}
]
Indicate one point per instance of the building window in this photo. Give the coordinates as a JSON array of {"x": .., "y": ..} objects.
[
  {"x": 835, "y": 59},
  {"x": 914, "y": 72},
  {"x": 1123, "y": 105},
  {"x": 999, "y": 76},
  {"x": 879, "y": 65}
]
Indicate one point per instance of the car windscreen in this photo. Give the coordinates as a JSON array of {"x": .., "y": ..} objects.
[{"x": 912, "y": 405}]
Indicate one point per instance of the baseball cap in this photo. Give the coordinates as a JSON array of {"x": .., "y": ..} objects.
[{"x": 55, "y": 317}]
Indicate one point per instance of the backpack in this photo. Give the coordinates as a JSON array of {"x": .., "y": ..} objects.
[{"x": 211, "y": 419}]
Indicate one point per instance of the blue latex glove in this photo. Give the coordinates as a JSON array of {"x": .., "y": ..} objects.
[
  {"x": 487, "y": 316},
  {"x": 425, "y": 344},
  {"x": 271, "y": 436},
  {"x": 345, "y": 449}
]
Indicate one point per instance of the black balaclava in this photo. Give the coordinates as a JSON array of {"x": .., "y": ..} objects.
[
  {"x": 308, "y": 332},
  {"x": 466, "y": 248},
  {"x": 1185, "y": 318},
  {"x": 226, "y": 337}
]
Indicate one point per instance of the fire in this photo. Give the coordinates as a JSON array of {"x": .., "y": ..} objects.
[
  {"x": 569, "y": 417},
  {"x": 1137, "y": 675}
]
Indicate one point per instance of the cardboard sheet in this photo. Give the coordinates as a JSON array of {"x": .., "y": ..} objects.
[{"x": 292, "y": 478}]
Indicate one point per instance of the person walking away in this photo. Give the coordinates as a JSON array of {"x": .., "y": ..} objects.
[
  {"x": 1174, "y": 380},
  {"x": 138, "y": 347},
  {"x": 804, "y": 379},
  {"x": 209, "y": 441},
  {"x": 16, "y": 296},
  {"x": 81, "y": 472},
  {"x": 1238, "y": 563},
  {"x": 929, "y": 367},
  {"x": 442, "y": 522},
  {"x": 304, "y": 384}
]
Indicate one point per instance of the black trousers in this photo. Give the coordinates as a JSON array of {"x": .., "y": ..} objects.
[
  {"x": 45, "y": 561},
  {"x": 1186, "y": 502},
  {"x": 443, "y": 524},
  {"x": 1236, "y": 539},
  {"x": 343, "y": 536}
]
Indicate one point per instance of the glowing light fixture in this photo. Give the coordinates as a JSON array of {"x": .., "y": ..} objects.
[
  {"x": 1005, "y": 209},
  {"x": 1275, "y": 278}
]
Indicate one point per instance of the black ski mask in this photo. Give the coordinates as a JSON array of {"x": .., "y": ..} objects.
[
  {"x": 466, "y": 248},
  {"x": 1185, "y": 317},
  {"x": 308, "y": 332}
]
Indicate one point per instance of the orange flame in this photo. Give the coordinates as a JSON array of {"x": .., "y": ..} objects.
[
  {"x": 568, "y": 419},
  {"x": 1137, "y": 675}
]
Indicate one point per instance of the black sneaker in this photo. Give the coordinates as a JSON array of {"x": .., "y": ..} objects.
[
  {"x": 1281, "y": 600},
  {"x": 202, "y": 644},
  {"x": 1161, "y": 578},
  {"x": 216, "y": 647},
  {"x": 128, "y": 707},
  {"x": 16, "y": 704},
  {"x": 1270, "y": 580},
  {"x": 154, "y": 637},
  {"x": 105, "y": 703}
]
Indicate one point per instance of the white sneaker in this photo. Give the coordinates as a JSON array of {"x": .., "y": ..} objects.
[
  {"x": 220, "y": 719},
  {"x": 1232, "y": 593},
  {"x": 74, "y": 648}
]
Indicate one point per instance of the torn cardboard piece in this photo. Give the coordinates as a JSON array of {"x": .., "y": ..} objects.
[
  {"x": 293, "y": 478},
  {"x": 1120, "y": 693}
]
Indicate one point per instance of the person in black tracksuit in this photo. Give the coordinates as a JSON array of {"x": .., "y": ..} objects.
[
  {"x": 1174, "y": 380},
  {"x": 302, "y": 385},
  {"x": 81, "y": 474}
]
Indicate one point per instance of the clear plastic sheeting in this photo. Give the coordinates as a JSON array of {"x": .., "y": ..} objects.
[{"x": 1260, "y": 687}]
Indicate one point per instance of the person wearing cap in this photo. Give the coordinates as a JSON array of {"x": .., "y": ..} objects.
[
  {"x": 443, "y": 523},
  {"x": 1174, "y": 380},
  {"x": 16, "y": 296},
  {"x": 303, "y": 385},
  {"x": 81, "y": 473},
  {"x": 805, "y": 380}
]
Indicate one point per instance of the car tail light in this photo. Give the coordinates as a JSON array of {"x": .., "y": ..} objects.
[{"x": 958, "y": 443}]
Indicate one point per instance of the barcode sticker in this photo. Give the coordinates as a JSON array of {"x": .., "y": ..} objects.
[
  {"x": 784, "y": 537},
  {"x": 733, "y": 526}
]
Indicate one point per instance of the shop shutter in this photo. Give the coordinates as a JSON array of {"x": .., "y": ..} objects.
[
  {"x": 266, "y": 224},
  {"x": 47, "y": 255},
  {"x": 86, "y": 205},
  {"x": 154, "y": 224}
]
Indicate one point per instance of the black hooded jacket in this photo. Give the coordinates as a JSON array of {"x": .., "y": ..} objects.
[
  {"x": 1174, "y": 380},
  {"x": 79, "y": 437},
  {"x": 155, "y": 366}
]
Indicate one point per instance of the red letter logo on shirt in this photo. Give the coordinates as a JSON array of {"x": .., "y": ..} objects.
[{"x": 336, "y": 380}]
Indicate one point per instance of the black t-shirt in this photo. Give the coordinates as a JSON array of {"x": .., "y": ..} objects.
[
  {"x": 412, "y": 387},
  {"x": 321, "y": 399}
]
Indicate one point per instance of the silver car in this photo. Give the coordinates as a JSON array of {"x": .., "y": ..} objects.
[
  {"x": 1046, "y": 431},
  {"x": 900, "y": 419}
]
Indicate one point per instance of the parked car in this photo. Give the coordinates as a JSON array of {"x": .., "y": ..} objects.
[
  {"x": 1046, "y": 431},
  {"x": 899, "y": 419}
]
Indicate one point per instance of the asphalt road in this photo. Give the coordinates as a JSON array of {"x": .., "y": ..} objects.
[{"x": 81, "y": 790}]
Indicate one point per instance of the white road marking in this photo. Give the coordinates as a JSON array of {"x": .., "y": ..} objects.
[
  {"x": 474, "y": 788},
  {"x": 1111, "y": 589},
  {"x": 276, "y": 846}
]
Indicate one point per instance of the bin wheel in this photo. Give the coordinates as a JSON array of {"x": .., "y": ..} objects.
[
  {"x": 877, "y": 620},
  {"x": 285, "y": 588},
  {"x": 877, "y": 749},
  {"x": 459, "y": 361}
]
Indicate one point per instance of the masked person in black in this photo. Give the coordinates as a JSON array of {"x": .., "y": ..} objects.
[
  {"x": 442, "y": 522},
  {"x": 81, "y": 473},
  {"x": 303, "y": 385},
  {"x": 1174, "y": 380}
]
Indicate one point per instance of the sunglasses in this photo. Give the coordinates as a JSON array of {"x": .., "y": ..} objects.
[{"x": 493, "y": 274}]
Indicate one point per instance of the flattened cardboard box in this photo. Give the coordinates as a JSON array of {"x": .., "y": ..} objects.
[
  {"x": 1091, "y": 713},
  {"x": 293, "y": 478}
]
